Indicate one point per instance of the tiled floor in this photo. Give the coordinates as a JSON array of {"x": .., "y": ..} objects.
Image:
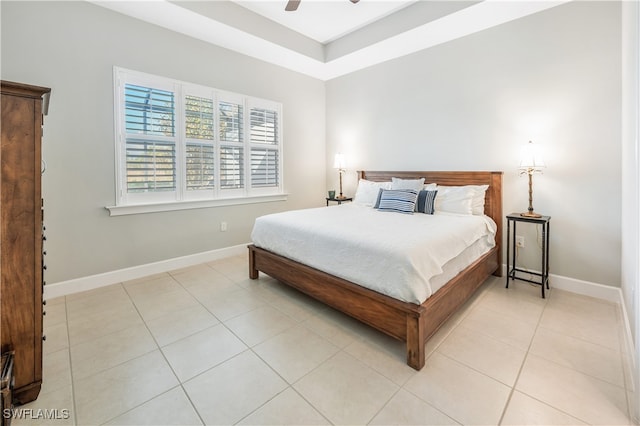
[{"x": 207, "y": 345}]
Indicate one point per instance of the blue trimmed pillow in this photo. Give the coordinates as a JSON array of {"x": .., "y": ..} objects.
[
  {"x": 426, "y": 201},
  {"x": 401, "y": 201}
]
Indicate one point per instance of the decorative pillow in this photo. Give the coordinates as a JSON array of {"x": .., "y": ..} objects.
[
  {"x": 426, "y": 201},
  {"x": 477, "y": 202},
  {"x": 455, "y": 200},
  {"x": 367, "y": 191},
  {"x": 430, "y": 186},
  {"x": 415, "y": 184},
  {"x": 401, "y": 201}
]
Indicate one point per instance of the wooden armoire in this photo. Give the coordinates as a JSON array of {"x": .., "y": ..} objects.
[{"x": 21, "y": 234}]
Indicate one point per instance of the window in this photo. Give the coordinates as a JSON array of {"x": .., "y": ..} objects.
[{"x": 178, "y": 142}]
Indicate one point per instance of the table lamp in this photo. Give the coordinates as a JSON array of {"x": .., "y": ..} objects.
[
  {"x": 531, "y": 162},
  {"x": 339, "y": 163}
]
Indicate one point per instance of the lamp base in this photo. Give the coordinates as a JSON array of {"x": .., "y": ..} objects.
[{"x": 531, "y": 214}]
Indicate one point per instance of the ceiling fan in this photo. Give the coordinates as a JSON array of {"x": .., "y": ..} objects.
[{"x": 292, "y": 5}]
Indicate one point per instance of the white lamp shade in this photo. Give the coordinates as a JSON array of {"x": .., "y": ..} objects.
[
  {"x": 531, "y": 157},
  {"x": 339, "y": 161}
]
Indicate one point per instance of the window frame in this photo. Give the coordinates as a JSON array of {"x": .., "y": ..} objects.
[{"x": 183, "y": 198}]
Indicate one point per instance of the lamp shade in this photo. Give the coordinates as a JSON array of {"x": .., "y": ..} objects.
[
  {"x": 339, "y": 161},
  {"x": 531, "y": 158}
]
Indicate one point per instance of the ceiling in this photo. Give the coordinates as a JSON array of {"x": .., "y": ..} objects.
[
  {"x": 326, "y": 39},
  {"x": 325, "y": 20}
]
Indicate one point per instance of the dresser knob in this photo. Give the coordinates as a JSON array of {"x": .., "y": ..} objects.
[
  {"x": 44, "y": 238},
  {"x": 44, "y": 302},
  {"x": 44, "y": 313},
  {"x": 44, "y": 253},
  {"x": 44, "y": 338},
  {"x": 44, "y": 267}
]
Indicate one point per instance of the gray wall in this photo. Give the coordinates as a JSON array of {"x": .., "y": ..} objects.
[
  {"x": 553, "y": 77},
  {"x": 72, "y": 48}
]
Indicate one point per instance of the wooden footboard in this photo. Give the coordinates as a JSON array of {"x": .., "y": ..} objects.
[{"x": 408, "y": 322}]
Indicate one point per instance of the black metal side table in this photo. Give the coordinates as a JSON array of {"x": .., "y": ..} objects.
[
  {"x": 512, "y": 220},
  {"x": 339, "y": 200}
]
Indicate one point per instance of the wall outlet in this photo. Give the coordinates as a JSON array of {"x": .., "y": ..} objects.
[
  {"x": 519, "y": 241},
  {"x": 223, "y": 226}
]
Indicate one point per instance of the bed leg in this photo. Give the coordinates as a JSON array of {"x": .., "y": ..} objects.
[
  {"x": 415, "y": 342},
  {"x": 253, "y": 272}
]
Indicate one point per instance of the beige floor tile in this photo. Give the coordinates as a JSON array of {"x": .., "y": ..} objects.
[
  {"x": 589, "y": 399},
  {"x": 287, "y": 408},
  {"x": 140, "y": 289},
  {"x": 586, "y": 357},
  {"x": 231, "y": 304},
  {"x": 595, "y": 328},
  {"x": 56, "y": 338},
  {"x": 484, "y": 353},
  {"x": 54, "y": 313},
  {"x": 385, "y": 355},
  {"x": 212, "y": 291},
  {"x": 105, "y": 321},
  {"x": 516, "y": 302},
  {"x": 201, "y": 351},
  {"x": 170, "y": 408},
  {"x": 101, "y": 299},
  {"x": 110, "y": 350},
  {"x": 407, "y": 409},
  {"x": 295, "y": 352},
  {"x": 327, "y": 324},
  {"x": 180, "y": 324},
  {"x": 56, "y": 300},
  {"x": 460, "y": 392},
  {"x": 110, "y": 393},
  {"x": 157, "y": 305},
  {"x": 232, "y": 390},
  {"x": 51, "y": 408},
  {"x": 524, "y": 410},
  {"x": 259, "y": 325},
  {"x": 505, "y": 329},
  {"x": 345, "y": 390},
  {"x": 199, "y": 275},
  {"x": 56, "y": 371}
]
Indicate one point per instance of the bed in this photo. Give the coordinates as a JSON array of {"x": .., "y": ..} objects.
[{"x": 411, "y": 322}]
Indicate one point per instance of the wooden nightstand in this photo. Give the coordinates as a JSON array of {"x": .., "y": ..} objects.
[
  {"x": 339, "y": 200},
  {"x": 513, "y": 219}
]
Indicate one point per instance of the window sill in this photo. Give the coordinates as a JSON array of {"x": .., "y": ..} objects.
[{"x": 188, "y": 205}]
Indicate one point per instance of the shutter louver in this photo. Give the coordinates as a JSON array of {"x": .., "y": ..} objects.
[
  {"x": 149, "y": 111},
  {"x": 151, "y": 166},
  {"x": 198, "y": 118},
  {"x": 264, "y": 168},
  {"x": 231, "y": 167},
  {"x": 200, "y": 167},
  {"x": 150, "y": 158},
  {"x": 264, "y": 126}
]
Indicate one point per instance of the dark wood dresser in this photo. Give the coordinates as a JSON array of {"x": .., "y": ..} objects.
[{"x": 21, "y": 234}]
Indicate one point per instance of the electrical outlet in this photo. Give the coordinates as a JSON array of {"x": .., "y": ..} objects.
[
  {"x": 519, "y": 241},
  {"x": 223, "y": 226}
]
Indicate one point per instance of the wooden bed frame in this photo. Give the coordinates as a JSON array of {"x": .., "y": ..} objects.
[{"x": 409, "y": 322}]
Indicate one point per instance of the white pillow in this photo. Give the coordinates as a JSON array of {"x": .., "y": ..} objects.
[
  {"x": 367, "y": 192},
  {"x": 454, "y": 200},
  {"x": 415, "y": 184},
  {"x": 477, "y": 201},
  {"x": 430, "y": 187}
]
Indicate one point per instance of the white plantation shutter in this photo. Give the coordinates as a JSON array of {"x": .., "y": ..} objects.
[
  {"x": 200, "y": 145},
  {"x": 182, "y": 142},
  {"x": 231, "y": 123},
  {"x": 150, "y": 153},
  {"x": 265, "y": 146}
]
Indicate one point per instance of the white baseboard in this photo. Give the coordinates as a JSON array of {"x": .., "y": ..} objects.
[
  {"x": 91, "y": 282},
  {"x": 586, "y": 288}
]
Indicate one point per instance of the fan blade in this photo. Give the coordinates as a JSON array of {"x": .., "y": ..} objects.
[{"x": 292, "y": 5}]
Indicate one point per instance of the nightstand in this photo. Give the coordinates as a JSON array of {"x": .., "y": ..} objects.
[
  {"x": 512, "y": 270},
  {"x": 339, "y": 200}
]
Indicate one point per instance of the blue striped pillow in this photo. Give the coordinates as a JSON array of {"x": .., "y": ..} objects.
[
  {"x": 401, "y": 201},
  {"x": 426, "y": 201}
]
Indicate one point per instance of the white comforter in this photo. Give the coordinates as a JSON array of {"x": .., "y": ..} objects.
[{"x": 392, "y": 253}]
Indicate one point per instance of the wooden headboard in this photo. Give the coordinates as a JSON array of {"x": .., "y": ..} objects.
[{"x": 492, "y": 200}]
